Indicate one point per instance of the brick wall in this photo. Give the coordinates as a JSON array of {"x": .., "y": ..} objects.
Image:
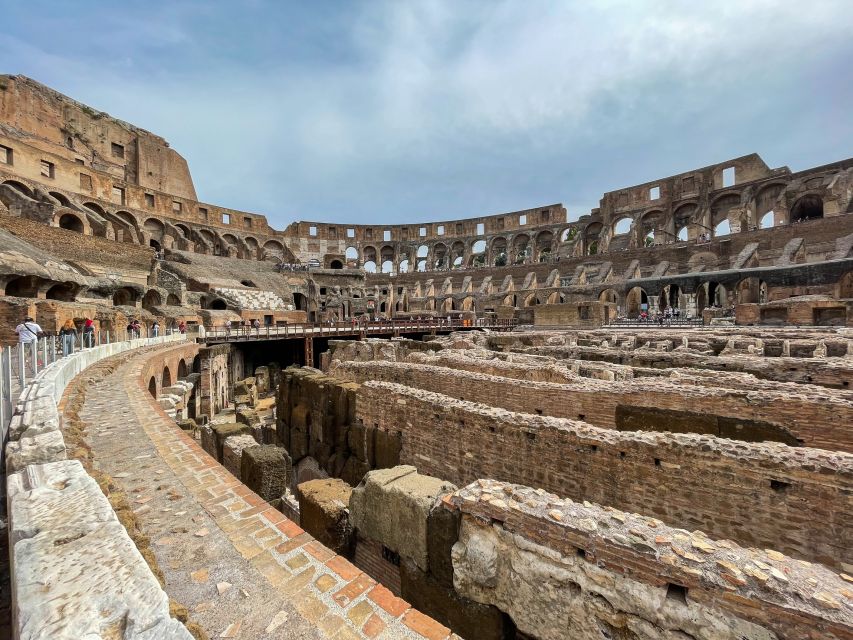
[
  {"x": 817, "y": 418},
  {"x": 763, "y": 495}
]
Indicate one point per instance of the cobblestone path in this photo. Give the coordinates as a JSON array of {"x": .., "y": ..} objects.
[{"x": 242, "y": 569}]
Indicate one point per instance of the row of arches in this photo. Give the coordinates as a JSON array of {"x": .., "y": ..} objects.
[{"x": 653, "y": 227}]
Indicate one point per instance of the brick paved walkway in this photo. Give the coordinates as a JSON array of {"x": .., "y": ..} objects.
[{"x": 242, "y": 568}]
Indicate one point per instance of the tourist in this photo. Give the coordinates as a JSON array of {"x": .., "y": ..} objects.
[
  {"x": 227, "y": 327},
  {"x": 89, "y": 333},
  {"x": 137, "y": 328},
  {"x": 155, "y": 329},
  {"x": 68, "y": 335},
  {"x": 256, "y": 323},
  {"x": 130, "y": 330},
  {"x": 182, "y": 327},
  {"x": 28, "y": 331}
]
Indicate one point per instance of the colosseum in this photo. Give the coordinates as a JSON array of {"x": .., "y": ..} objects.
[{"x": 630, "y": 425}]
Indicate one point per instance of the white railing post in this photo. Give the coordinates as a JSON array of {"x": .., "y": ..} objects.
[{"x": 35, "y": 350}]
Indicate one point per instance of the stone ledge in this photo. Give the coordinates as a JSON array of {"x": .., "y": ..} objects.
[{"x": 76, "y": 572}]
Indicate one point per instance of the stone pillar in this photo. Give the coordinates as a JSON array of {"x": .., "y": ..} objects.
[{"x": 688, "y": 301}]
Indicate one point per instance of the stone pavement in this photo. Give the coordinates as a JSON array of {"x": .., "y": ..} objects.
[{"x": 241, "y": 568}]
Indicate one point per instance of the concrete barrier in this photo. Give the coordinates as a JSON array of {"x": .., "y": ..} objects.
[{"x": 75, "y": 571}]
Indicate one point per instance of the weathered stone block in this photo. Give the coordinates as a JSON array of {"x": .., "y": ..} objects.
[
  {"x": 226, "y": 430},
  {"x": 232, "y": 452},
  {"x": 266, "y": 470},
  {"x": 324, "y": 513},
  {"x": 392, "y": 506}
]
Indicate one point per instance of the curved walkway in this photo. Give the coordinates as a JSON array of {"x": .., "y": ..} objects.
[{"x": 242, "y": 569}]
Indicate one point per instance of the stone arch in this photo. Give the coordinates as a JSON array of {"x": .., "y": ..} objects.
[
  {"x": 217, "y": 304},
  {"x": 152, "y": 387},
  {"x": 182, "y": 369},
  {"x": 682, "y": 221},
  {"x": 167, "y": 378},
  {"x": 23, "y": 287},
  {"x": 64, "y": 291},
  {"x": 721, "y": 207},
  {"x": 274, "y": 250},
  {"x": 60, "y": 198},
  {"x": 336, "y": 264},
  {"x": 543, "y": 244},
  {"x": 457, "y": 254},
  {"x": 20, "y": 187},
  {"x": 404, "y": 266},
  {"x": 808, "y": 207},
  {"x": 351, "y": 256},
  {"x": 124, "y": 297},
  {"x": 608, "y": 295},
  {"x": 522, "y": 249},
  {"x": 151, "y": 299},
  {"x": 95, "y": 208},
  {"x": 568, "y": 234},
  {"x": 368, "y": 254},
  {"x": 590, "y": 238},
  {"x": 252, "y": 247},
  {"x": 173, "y": 300},
  {"x": 765, "y": 203},
  {"x": 439, "y": 256},
  {"x": 723, "y": 228},
  {"x": 71, "y": 222},
  {"x": 623, "y": 225},
  {"x": 387, "y": 256},
  {"x": 128, "y": 229},
  {"x": 230, "y": 244},
  {"x": 499, "y": 252},
  {"x": 636, "y": 301},
  {"x": 751, "y": 290}
]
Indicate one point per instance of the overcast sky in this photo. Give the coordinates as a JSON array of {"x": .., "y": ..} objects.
[{"x": 406, "y": 111}]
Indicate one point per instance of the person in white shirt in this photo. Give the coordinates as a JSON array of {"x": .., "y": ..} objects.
[{"x": 28, "y": 331}]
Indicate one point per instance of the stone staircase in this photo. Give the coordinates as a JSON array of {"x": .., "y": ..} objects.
[{"x": 252, "y": 298}]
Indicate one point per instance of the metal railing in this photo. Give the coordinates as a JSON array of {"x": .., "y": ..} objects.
[
  {"x": 656, "y": 322},
  {"x": 21, "y": 363},
  {"x": 307, "y": 329}
]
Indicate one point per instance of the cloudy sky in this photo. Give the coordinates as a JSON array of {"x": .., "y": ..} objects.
[{"x": 406, "y": 111}]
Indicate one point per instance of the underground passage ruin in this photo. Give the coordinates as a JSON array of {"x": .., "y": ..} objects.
[{"x": 448, "y": 429}]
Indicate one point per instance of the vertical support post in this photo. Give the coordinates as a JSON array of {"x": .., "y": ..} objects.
[
  {"x": 35, "y": 354},
  {"x": 22, "y": 363},
  {"x": 309, "y": 351}
]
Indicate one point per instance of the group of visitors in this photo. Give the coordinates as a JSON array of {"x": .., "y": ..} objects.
[
  {"x": 246, "y": 324},
  {"x": 703, "y": 238},
  {"x": 662, "y": 317},
  {"x": 30, "y": 331}
]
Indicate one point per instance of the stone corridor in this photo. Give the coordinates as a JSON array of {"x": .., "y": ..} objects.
[{"x": 240, "y": 567}]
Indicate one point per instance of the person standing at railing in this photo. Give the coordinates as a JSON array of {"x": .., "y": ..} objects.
[
  {"x": 89, "y": 333},
  {"x": 68, "y": 336},
  {"x": 28, "y": 331},
  {"x": 155, "y": 329}
]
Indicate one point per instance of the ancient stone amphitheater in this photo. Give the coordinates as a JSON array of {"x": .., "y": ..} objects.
[{"x": 632, "y": 425}]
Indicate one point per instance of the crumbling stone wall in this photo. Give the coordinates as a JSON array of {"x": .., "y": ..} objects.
[
  {"x": 818, "y": 418},
  {"x": 562, "y": 569},
  {"x": 793, "y": 498}
]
